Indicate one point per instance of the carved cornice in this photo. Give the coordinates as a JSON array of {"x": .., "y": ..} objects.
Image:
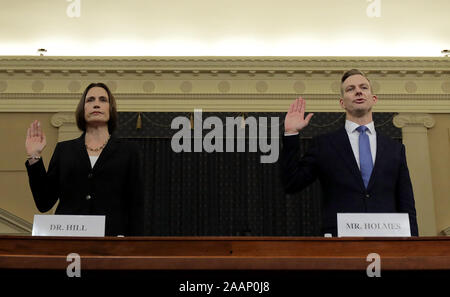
[
  {"x": 244, "y": 102},
  {"x": 55, "y": 84},
  {"x": 411, "y": 119},
  {"x": 214, "y": 65},
  {"x": 215, "y": 96}
]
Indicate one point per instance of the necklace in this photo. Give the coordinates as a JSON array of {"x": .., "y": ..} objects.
[{"x": 99, "y": 148}]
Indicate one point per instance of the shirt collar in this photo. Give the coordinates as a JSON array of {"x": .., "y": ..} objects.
[{"x": 350, "y": 127}]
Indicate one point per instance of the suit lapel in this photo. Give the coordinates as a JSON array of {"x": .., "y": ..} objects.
[
  {"x": 82, "y": 153},
  {"x": 342, "y": 144},
  {"x": 107, "y": 152},
  {"x": 381, "y": 150}
]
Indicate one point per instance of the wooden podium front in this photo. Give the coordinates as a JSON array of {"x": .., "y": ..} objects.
[
  {"x": 262, "y": 258},
  {"x": 224, "y": 253}
]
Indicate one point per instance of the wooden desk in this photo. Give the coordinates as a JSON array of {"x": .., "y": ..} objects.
[{"x": 225, "y": 253}]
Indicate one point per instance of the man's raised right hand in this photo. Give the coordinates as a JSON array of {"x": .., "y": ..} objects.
[{"x": 295, "y": 118}]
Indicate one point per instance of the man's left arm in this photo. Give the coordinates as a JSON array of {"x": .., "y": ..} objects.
[{"x": 405, "y": 194}]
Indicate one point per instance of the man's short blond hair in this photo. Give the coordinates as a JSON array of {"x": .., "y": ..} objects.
[{"x": 351, "y": 72}]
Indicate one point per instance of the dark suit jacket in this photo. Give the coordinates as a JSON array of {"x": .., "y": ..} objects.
[
  {"x": 330, "y": 159},
  {"x": 112, "y": 188}
]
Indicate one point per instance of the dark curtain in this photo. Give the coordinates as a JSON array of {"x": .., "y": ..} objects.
[
  {"x": 228, "y": 193},
  {"x": 220, "y": 194}
]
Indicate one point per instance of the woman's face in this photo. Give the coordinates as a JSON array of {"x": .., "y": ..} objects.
[{"x": 96, "y": 106}]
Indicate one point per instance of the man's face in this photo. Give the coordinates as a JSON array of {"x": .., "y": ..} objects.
[{"x": 357, "y": 98}]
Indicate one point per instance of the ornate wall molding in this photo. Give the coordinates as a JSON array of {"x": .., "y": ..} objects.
[
  {"x": 414, "y": 131},
  {"x": 404, "y": 119},
  {"x": 43, "y": 84},
  {"x": 12, "y": 224},
  {"x": 309, "y": 65},
  {"x": 66, "y": 124},
  {"x": 60, "y": 119}
]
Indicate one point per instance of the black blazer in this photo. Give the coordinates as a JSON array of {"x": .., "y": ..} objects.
[
  {"x": 112, "y": 188},
  {"x": 330, "y": 159}
]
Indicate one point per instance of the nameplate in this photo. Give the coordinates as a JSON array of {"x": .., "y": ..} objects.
[
  {"x": 373, "y": 224},
  {"x": 68, "y": 225}
]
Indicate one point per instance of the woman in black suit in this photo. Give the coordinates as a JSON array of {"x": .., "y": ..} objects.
[{"x": 95, "y": 174}]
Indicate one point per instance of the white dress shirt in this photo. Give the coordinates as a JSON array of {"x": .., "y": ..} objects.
[
  {"x": 93, "y": 160},
  {"x": 353, "y": 136}
]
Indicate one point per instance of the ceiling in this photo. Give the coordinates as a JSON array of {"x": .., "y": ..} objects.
[{"x": 225, "y": 28}]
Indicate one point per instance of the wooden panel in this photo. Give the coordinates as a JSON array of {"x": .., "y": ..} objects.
[{"x": 225, "y": 253}]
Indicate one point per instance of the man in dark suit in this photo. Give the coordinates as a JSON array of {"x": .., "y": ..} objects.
[{"x": 360, "y": 170}]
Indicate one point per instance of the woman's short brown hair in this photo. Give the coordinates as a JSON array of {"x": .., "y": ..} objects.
[{"x": 79, "y": 112}]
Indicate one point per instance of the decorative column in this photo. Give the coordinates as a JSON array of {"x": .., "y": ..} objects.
[
  {"x": 414, "y": 130},
  {"x": 66, "y": 124}
]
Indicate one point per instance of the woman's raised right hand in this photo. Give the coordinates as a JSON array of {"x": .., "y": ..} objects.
[{"x": 35, "y": 141}]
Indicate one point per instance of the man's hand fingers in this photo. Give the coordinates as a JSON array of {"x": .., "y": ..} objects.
[
  {"x": 300, "y": 104},
  {"x": 308, "y": 117},
  {"x": 291, "y": 108},
  {"x": 302, "y": 108},
  {"x": 297, "y": 103}
]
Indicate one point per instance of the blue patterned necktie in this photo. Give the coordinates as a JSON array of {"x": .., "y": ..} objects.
[{"x": 365, "y": 156}]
